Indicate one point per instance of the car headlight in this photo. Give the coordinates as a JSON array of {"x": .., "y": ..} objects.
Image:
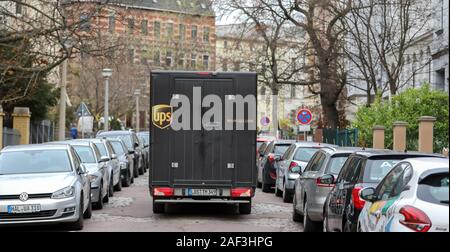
[
  {"x": 92, "y": 178},
  {"x": 123, "y": 165},
  {"x": 64, "y": 193}
]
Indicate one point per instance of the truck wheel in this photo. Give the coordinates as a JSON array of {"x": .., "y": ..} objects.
[
  {"x": 158, "y": 208},
  {"x": 245, "y": 208}
]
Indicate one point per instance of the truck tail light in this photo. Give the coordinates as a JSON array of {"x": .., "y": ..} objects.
[
  {"x": 241, "y": 192},
  {"x": 358, "y": 203},
  {"x": 415, "y": 219},
  {"x": 163, "y": 191}
]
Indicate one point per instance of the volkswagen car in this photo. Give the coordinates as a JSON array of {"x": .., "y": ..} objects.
[{"x": 42, "y": 184}]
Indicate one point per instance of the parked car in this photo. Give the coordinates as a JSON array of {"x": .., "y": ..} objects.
[
  {"x": 43, "y": 184},
  {"x": 145, "y": 139},
  {"x": 292, "y": 164},
  {"x": 260, "y": 154},
  {"x": 131, "y": 141},
  {"x": 109, "y": 158},
  {"x": 362, "y": 169},
  {"x": 312, "y": 187},
  {"x": 268, "y": 166},
  {"x": 96, "y": 167},
  {"x": 126, "y": 162},
  {"x": 413, "y": 197}
]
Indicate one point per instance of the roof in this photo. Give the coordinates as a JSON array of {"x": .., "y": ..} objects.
[
  {"x": 424, "y": 164},
  {"x": 77, "y": 142},
  {"x": 341, "y": 150},
  {"x": 29, "y": 147},
  {"x": 376, "y": 152},
  {"x": 114, "y": 133},
  {"x": 313, "y": 144},
  {"x": 194, "y": 7},
  {"x": 249, "y": 32}
]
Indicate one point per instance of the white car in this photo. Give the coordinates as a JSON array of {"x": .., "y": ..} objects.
[{"x": 413, "y": 197}]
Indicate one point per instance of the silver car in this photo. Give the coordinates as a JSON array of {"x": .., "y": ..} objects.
[
  {"x": 43, "y": 184},
  {"x": 97, "y": 169},
  {"x": 292, "y": 164},
  {"x": 312, "y": 186},
  {"x": 109, "y": 158}
]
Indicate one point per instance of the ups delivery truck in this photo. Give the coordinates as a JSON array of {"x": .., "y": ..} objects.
[{"x": 203, "y": 144}]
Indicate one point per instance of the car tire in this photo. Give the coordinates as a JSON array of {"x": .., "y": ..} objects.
[
  {"x": 99, "y": 204},
  {"x": 325, "y": 223},
  {"x": 79, "y": 224},
  {"x": 348, "y": 227},
  {"x": 308, "y": 224},
  {"x": 88, "y": 213},
  {"x": 111, "y": 187},
  {"x": 245, "y": 208},
  {"x": 295, "y": 215},
  {"x": 141, "y": 170},
  {"x": 118, "y": 187},
  {"x": 258, "y": 184},
  {"x": 278, "y": 193},
  {"x": 158, "y": 208},
  {"x": 265, "y": 187},
  {"x": 287, "y": 197},
  {"x": 136, "y": 172},
  {"x": 127, "y": 181},
  {"x": 132, "y": 179}
]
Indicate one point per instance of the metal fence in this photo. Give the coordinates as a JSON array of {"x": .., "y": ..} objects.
[
  {"x": 42, "y": 132},
  {"x": 341, "y": 137},
  {"x": 10, "y": 137}
]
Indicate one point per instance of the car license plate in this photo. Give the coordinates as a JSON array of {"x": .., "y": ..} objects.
[
  {"x": 202, "y": 192},
  {"x": 18, "y": 209}
]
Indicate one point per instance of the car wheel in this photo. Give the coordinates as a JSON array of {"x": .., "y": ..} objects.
[
  {"x": 245, "y": 208},
  {"x": 88, "y": 213},
  {"x": 259, "y": 184},
  {"x": 265, "y": 187},
  {"x": 325, "y": 223},
  {"x": 348, "y": 227},
  {"x": 79, "y": 224},
  {"x": 118, "y": 187},
  {"x": 111, "y": 187},
  {"x": 127, "y": 181},
  {"x": 278, "y": 193},
  {"x": 295, "y": 215},
  {"x": 287, "y": 197},
  {"x": 99, "y": 204},
  {"x": 308, "y": 224},
  {"x": 132, "y": 179},
  {"x": 136, "y": 172},
  {"x": 158, "y": 208}
]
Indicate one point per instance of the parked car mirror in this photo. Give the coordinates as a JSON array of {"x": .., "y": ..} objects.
[
  {"x": 82, "y": 170},
  {"x": 368, "y": 194},
  {"x": 278, "y": 158},
  {"x": 130, "y": 151},
  {"x": 103, "y": 159},
  {"x": 136, "y": 145},
  {"x": 114, "y": 156},
  {"x": 327, "y": 179}
]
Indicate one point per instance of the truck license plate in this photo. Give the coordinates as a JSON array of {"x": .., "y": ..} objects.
[
  {"x": 18, "y": 209},
  {"x": 202, "y": 192}
]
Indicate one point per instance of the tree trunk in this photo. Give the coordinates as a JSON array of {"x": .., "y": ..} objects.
[
  {"x": 330, "y": 113},
  {"x": 275, "y": 112}
]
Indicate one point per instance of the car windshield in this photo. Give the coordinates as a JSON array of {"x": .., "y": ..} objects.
[
  {"x": 146, "y": 138},
  {"x": 304, "y": 154},
  {"x": 86, "y": 154},
  {"x": 125, "y": 138},
  {"x": 377, "y": 169},
  {"x": 434, "y": 189},
  {"x": 34, "y": 161},
  {"x": 102, "y": 149},
  {"x": 118, "y": 148},
  {"x": 281, "y": 148},
  {"x": 336, "y": 164}
]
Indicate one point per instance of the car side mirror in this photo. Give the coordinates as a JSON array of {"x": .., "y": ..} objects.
[
  {"x": 130, "y": 151},
  {"x": 104, "y": 159},
  {"x": 278, "y": 158},
  {"x": 136, "y": 145},
  {"x": 82, "y": 169},
  {"x": 114, "y": 156},
  {"x": 368, "y": 194},
  {"x": 327, "y": 179}
]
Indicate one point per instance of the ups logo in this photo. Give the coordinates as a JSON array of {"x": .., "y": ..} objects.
[{"x": 162, "y": 116}]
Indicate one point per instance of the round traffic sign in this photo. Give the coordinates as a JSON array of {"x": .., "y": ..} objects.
[
  {"x": 265, "y": 121},
  {"x": 304, "y": 116}
]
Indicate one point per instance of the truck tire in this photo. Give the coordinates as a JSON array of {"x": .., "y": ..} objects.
[
  {"x": 245, "y": 208},
  {"x": 158, "y": 208}
]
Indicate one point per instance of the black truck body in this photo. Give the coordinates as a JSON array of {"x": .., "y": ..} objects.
[{"x": 197, "y": 165}]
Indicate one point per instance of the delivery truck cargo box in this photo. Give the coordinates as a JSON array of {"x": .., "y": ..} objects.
[{"x": 203, "y": 127}]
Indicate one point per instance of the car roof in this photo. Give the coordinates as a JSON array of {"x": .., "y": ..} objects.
[
  {"x": 369, "y": 153},
  {"x": 93, "y": 140},
  {"x": 143, "y": 133},
  {"x": 341, "y": 150},
  {"x": 426, "y": 163},
  {"x": 115, "y": 132},
  {"x": 282, "y": 141},
  {"x": 29, "y": 147},
  {"x": 74, "y": 142},
  {"x": 312, "y": 144}
]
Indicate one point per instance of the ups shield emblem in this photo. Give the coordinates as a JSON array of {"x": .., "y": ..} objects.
[{"x": 162, "y": 116}]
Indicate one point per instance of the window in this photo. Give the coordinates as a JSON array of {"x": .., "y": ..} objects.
[
  {"x": 353, "y": 171},
  {"x": 225, "y": 65},
  {"x": 86, "y": 154},
  {"x": 288, "y": 152},
  {"x": 441, "y": 16},
  {"x": 144, "y": 57},
  {"x": 157, "y": 58},
  {"x": 182, "y": 32},
  {"x": 389, "y": 182},
  {"x": 304, "y": 154},
  {"x": 336, "y": 163},
  {"x": 112, "y": 23},
  {"x": 169, "y": 29},
  {"x": 225, "y": 44},
  {"x": 157, "y": 29},
  {"x": 194, "y": 61},
  {"x": 144, "y": 27},
  {"x": 312, "y": 161},
  {"x": 169, "y": 59},
  {"x": 434, "y": 188},
  {"x": 130, "y": 55},
  {"x": 206, "y": 34},
  {"x": 85, "y": 22},
  {"x": 34, "y": 161},
  {"x": 19, "y": 7},
  {"x": 181, "y": 60},
  {"x": 194, "y": 32},
  {"x": 205, "y": 62},
  {"x": 293, "y": 93},
  {"x": 130, "y": 25},
  {"x": 280, "y": 149}
]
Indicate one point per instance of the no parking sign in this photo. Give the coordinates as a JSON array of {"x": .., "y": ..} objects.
[
  {"x": 304, "y": 116},
  {"x": 265, "y": 121}
]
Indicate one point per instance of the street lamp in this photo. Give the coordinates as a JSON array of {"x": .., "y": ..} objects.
[
  {"x": 137, "y": 93},
  {"x": 68, "y": 43},
  {"x": 107, "y": 73}
]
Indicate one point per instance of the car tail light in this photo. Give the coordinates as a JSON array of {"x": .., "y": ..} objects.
[
  {"x": 320, "y": 184},
  {"x": 292, "y": 165},
  {"x": 415, "y": 219},
  {"x": 241, "y": 192},
  {"x": 273, "y": 175},
  {"x": 358, "y": 203},
  {"x": 163, "y": 191},
  {"x": 271, "y": 158}
]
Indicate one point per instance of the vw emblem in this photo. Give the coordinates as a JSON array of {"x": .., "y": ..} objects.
[{"x": 23, "y": 196}]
